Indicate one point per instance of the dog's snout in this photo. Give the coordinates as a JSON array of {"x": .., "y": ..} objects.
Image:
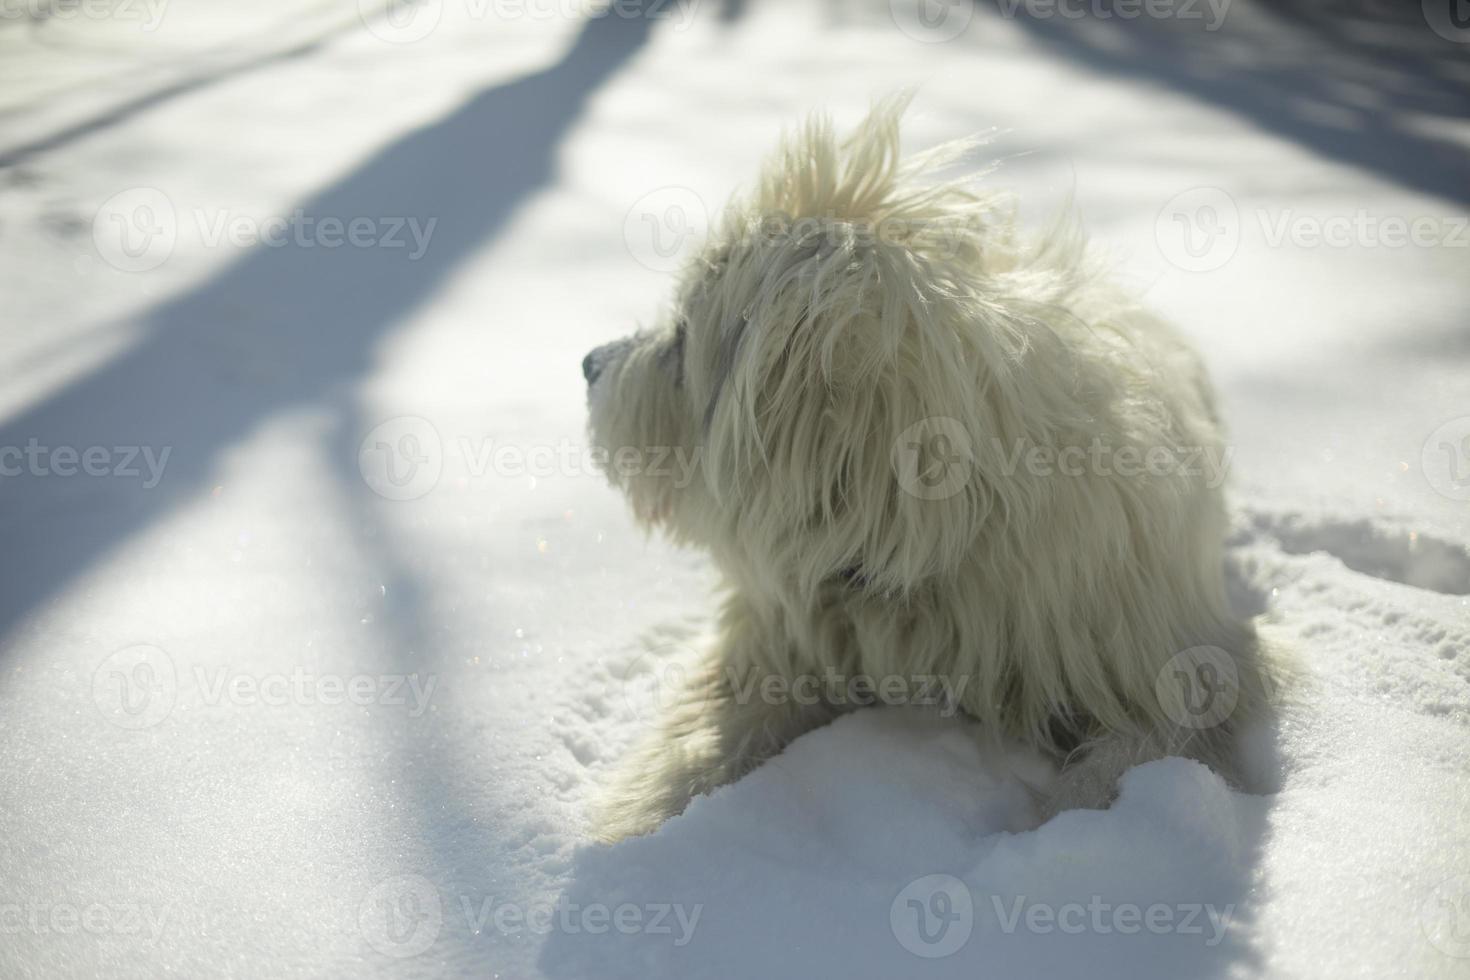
[
  {"x": 599, "y": 358},
  {"x": 591, "y": 367}
]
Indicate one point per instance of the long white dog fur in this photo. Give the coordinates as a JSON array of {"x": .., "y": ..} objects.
[{"x": 859, "y": 356}]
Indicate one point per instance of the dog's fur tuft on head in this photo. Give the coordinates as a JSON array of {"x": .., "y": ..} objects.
[{"x": 862, "y": 359}]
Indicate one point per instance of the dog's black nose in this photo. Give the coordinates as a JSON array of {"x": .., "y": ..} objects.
[{"x": 591, "y": 367}]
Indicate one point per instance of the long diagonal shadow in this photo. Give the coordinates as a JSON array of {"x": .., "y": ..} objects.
[
  {"x": 288, "y": 324},
  {"x": 1292, "y": 83},
  {"x": 137, "y": 105}
]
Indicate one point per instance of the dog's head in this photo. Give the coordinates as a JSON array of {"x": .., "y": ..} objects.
[{"x": 832, "y": 362}]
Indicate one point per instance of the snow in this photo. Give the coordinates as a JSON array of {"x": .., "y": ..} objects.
[{"x": 259, "y": 719}]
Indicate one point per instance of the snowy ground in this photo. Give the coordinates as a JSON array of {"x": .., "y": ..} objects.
[{"x": 260, "y": 718}]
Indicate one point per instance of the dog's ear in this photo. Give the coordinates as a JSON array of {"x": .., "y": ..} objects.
[
  {"x": 843, "y": 434},
  {"x": 864, "y": 364}
]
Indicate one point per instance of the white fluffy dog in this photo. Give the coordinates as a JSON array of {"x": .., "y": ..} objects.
[{"x": 929, "y": 450}]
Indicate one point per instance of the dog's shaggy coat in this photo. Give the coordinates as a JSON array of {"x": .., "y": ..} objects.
[{"x": 861, "y": 357}]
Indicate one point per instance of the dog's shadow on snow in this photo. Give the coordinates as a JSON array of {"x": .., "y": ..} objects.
[{"x": 895, "y": 843}]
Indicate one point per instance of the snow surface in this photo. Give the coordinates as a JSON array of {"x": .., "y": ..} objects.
[{"x": 257, "y": 719}]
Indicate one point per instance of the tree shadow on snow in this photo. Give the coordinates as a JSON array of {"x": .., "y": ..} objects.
[
  {"x": 1344, "y": 80},
  {"x": 291, "y": 325}
]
